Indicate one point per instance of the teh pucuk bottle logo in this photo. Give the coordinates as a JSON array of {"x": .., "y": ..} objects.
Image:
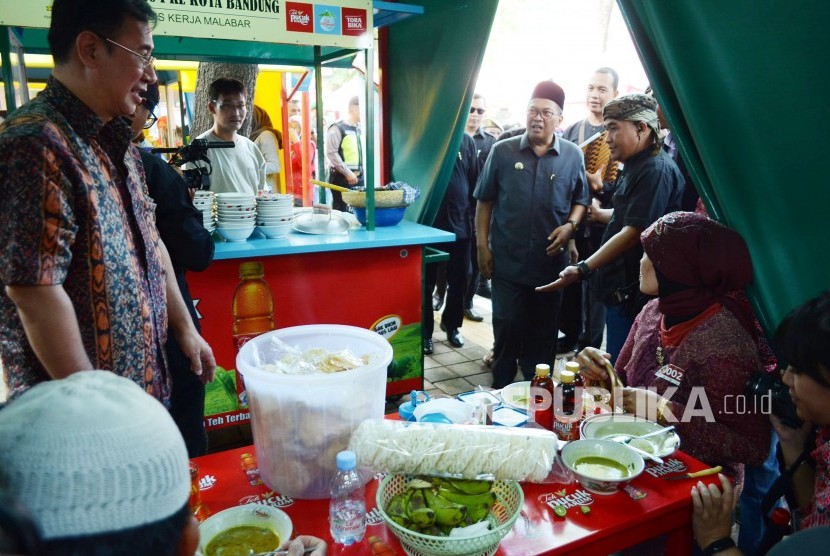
[{"x": 298, "y": 17}]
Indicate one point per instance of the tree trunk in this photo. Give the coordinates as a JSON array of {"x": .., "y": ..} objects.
[
  {"x": 604, "y": 18},
  {"x": 207, "y": 73}
]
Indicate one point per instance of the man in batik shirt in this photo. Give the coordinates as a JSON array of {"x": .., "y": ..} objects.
[{"x": 87, "y": 282}]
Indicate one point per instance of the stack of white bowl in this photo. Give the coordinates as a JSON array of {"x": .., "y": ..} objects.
[
  {"x": 236, "y": 214},
  {"x": 275, "y": 214},
  {"x": 204, "y": 202}
]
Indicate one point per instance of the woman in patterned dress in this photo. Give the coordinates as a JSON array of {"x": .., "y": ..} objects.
[{"x": 691, "y": 351}]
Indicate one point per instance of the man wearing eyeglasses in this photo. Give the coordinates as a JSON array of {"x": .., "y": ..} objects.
[
  {"x": 242, "y": 168},
  {"x": 531, "y": 195},
  {"x": 87, "y": 282}
]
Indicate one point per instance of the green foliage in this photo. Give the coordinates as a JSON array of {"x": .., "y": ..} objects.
[
  {"x": 406, "y": 362},
  {"x": 220, "y": 395}
]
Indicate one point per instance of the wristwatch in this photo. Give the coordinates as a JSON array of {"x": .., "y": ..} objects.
[
  {"x": 574, "y": 224},
  {"x": 584, "y": 269},
  {"x": 719, "y": 546}
]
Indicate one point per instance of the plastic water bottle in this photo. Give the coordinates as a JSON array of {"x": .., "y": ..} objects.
[{"x": 347, "y": 509}]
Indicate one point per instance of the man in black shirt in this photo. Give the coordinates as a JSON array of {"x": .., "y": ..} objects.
[
  {"x": 484, "y": 141},
  {"x": 649, "y": 186},
  {"x": 454, "y": 216},
  {"x": 191, "y": 248}
]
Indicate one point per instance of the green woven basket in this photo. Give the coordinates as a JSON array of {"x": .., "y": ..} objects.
[{"x": 509, "y": 501}]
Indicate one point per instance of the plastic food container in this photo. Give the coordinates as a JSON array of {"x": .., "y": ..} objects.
[{"x": 300, "y": 422}]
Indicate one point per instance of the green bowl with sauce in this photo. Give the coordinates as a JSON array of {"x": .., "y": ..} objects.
[{"x": 602, "y": 466}]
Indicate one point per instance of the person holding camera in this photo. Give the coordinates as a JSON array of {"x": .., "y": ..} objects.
[
  {"x": 691, "y": 351},
  {"x": 804, "y": 340},
  {"x": 191, "y": 248}
]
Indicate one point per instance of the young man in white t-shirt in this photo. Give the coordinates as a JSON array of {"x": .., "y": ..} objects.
[{"x": 242, "y": 168}]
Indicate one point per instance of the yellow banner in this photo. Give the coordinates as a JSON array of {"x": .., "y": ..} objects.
[{"x": 343, "y": 23}]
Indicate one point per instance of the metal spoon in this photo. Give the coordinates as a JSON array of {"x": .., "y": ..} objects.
[
  {"x": 645, "y": 454},
  {"x": 626, "y": 438},
  {"x": 279, "y": 552},
  {"x": 655, "y": 433}
]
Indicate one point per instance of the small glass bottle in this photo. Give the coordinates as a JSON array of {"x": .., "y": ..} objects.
[
  {"x": 542, "y": 408},
  {"x": 347, "y": 508},
  {"x": 566, "y": 414},
  {"x": 251, "y": 469},
  {"x": 199, "y": 509},
  {"x": 380, "y": 548}
]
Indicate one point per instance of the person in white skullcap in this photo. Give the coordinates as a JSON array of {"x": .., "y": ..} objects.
[{"x": 101, "y": 467}]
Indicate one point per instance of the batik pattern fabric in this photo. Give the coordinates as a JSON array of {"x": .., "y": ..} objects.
[
  {"x": 76, "y": 214},
  {"x": 718, "y": 357}
]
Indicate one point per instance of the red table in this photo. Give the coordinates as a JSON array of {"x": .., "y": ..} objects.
[{"x": 649, "y": 507}]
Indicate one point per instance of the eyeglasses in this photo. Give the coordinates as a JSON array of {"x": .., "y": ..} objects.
[
  {"x": 228, "y": 107},
  {"x": 151, "y": 119},
  {"x": 546, "y": 114},
  {"x": 146, "y": 61},
  {"x": 479, "y": 111}
]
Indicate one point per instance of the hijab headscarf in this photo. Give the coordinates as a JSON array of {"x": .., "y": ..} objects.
[
  {"x": 698, "y": 262},
  {"x": 262, "y": 122}
]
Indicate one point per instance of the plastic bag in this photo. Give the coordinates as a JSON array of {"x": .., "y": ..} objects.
[{"x": 458, "y": 451}]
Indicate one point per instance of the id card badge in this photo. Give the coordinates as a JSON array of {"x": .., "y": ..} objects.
[{"x": 671, "y": 374}]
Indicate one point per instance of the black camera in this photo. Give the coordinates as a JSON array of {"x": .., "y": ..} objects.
[
  {"x": 196, "y": 151},
  {"x": 773, "y": 395}
]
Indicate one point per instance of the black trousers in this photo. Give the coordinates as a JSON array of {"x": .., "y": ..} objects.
[
  {"x": 458, "y": 273},
  {"x": 525, "y": 326},
  {"x": 336, "y": 178},
  {"x": 475, "y": 276},
  {"x": 576, "y": 304},
  {"x": 187, "y": 400}
]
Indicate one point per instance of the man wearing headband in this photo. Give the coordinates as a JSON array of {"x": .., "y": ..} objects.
[
  {"x": 649, "y": 186},
  {"x": 531, "y": 195}
]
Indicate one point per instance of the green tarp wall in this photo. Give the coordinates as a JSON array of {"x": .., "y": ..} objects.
[
  {"x": 433, "y": 63},
  {"x": 744, "y": 85}
]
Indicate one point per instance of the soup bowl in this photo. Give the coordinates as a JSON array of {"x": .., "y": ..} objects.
[
  {"x": 602, "y": 466},
  {"x": 253, "y": 515}
]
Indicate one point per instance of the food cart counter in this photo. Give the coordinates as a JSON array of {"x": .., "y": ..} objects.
[
  {"x": 369, "y": 279},
  {"x": 649, "y": 507}
]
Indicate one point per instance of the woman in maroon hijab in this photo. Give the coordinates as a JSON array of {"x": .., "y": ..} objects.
[{"x": 691, "y": 351}]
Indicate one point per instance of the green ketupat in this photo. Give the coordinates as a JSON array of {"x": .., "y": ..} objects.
[
  {"x": 435, "y": 506},
  {"x": 468, "y": 486},
  {"x": 421, "y": 515},
  {"x": 446, "y": 512}
]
